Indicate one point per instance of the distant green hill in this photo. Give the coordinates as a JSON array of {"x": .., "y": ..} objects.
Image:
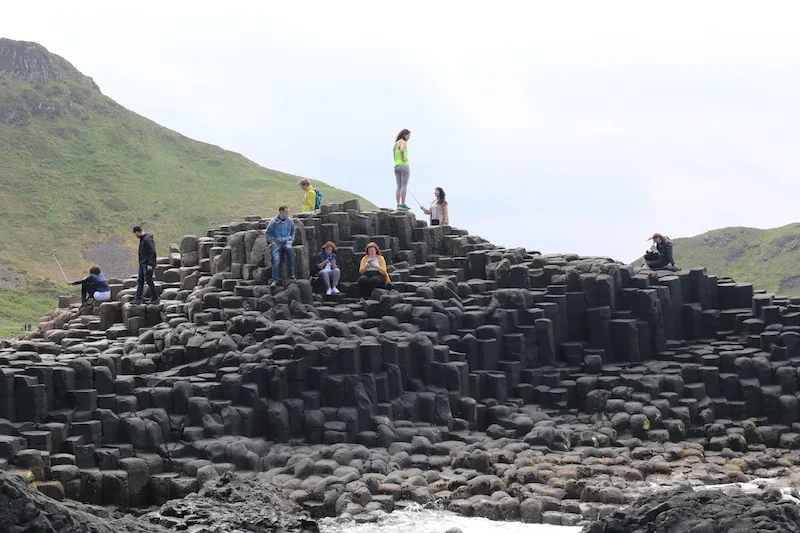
[
  {"x": 77, "y": 171},
  {"x": 770, "y": 259}
]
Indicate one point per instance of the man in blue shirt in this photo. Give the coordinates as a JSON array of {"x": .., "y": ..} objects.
[{"x": 280, "y": 236}]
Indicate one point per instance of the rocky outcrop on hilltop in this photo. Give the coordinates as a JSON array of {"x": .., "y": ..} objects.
[
  {"x": 499, "y": 382},
  {"x": 32, "y": 62}
]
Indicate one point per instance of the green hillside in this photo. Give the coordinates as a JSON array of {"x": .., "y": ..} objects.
[
  {"x": 770, "y": 258},
  {"x": 77, "y": 171}
]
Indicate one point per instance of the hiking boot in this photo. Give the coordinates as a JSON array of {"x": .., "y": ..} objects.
[
  {"x": 136, "y": 302},
  {"x": 154, "y": 301}
]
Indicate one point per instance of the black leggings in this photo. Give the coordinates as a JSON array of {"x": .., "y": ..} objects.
[{"x": 368, "y": 282}]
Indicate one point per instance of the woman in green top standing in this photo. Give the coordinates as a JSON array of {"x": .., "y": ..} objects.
[{"x": 401, "y": 168}]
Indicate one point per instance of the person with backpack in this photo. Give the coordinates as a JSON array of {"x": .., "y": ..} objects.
[
  {"x": 328, "y": 269},
  {"x": 402, "y": 171},
  {"x": 280, "y": 236},
  {"x": 438, "y": 209},
  {"x": 147, "y": 264},
  {"x": 94, "y": 286},
  {"x": 312, "y": 198}
]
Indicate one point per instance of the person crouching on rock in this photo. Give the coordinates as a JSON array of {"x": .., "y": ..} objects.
[
  {"x": 373, "y": 272},
  {"x": 662, "y": 257},
  {"x": 328, "y": 269},
  {"x": 94, "y": 286},
  {"x": 438, "y": 209}
]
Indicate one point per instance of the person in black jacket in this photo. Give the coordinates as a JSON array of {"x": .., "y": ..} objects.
[
  {"x": 662, "y": 257},
  {"x": 94, "y": 286},
  {"x": 147, "y": 263}
]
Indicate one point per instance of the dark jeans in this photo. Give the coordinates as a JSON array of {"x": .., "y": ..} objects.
[
  {"x": 145, "y": 274},
  {"x": 286, "y": 248},
  {"x": 370, "y": 281}
]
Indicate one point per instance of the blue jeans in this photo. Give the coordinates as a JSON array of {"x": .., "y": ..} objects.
[
  {"x": 145, "y": 274},
  {"x": 286, "y": 248}
]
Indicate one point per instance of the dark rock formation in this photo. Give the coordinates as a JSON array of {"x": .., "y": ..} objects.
[
  {"x": 232, "y": 503},
  {"x": 707, "y": 511},
  {"x": 24, "y": 509},
  {"x": 502, "y": 382}
]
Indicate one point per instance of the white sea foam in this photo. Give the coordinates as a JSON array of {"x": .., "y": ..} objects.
[{"x": 417, "y": 520}]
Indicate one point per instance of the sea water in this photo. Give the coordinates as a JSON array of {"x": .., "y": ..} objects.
[{"x": 418, "y": 520}]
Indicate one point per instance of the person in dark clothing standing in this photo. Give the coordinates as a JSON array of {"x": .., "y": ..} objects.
[
  {"x": 147, "y": 263},
  {"x": 94, "y": 286},
  {"x": 662, "y": 257}
]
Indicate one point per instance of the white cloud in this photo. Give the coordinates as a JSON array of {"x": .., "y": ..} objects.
[{"x": 577, "y": 126}]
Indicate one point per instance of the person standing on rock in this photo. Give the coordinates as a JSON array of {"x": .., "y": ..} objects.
[
  {"x": 402, "y": 171},
  {"x": 147, "y": 264},
  {"x": 94, "y": 286},
  {"x": 309, "y": 203},
  {"x": 373, "y": 272},
  {"x": 328, "y": 269},
  {"x": 280, "y": 236},
  {"x": 438, "y": 209},
  {"x": 662, "y": 258}
]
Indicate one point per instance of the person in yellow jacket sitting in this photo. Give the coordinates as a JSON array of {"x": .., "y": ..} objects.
[
  {"x": 373, "y": 272},
  {"x": 309, "y": 202}
]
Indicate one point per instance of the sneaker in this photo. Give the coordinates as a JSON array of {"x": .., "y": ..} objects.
[
  {"x": 136, "y": 302},
  {"x": 362, "y": 300},
  {"x": 335, "y": 290},
  {"x": 274, "y": 283},
  {"x": 155, "y": 301},
  {"x": 404, "y": 207},
  {"x": 329, "y": 292}
]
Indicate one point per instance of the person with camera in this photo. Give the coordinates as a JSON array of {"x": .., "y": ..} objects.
[
  {"x": 438, "y": 209},
  {"x": 661, "y": 257}
]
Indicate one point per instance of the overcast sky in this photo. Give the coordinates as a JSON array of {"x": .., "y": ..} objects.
[{"x": 557, "y": 126}]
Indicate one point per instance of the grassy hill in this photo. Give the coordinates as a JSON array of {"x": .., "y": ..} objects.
[
  {"x": 770, "y": 258},
  {"x": 77, "y": 171}
]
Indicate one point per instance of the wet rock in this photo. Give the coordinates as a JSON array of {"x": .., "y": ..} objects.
[
  {"x": 233, "y": 503},
  {"x": 23, "y": 508},
  {"x": 711, "y": 511}
]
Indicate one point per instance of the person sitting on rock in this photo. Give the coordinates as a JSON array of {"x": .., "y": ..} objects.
[
  {"x": 438, "y": 209},
  {"x": 309, "y": 203},
  {"x": 280, "y": 236},
  {"x": 662, "y": 257},
  {"x": 373, "y": 272},
  {"x": 94, "y": 286},
  {"x": 328, "y": 269}
]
